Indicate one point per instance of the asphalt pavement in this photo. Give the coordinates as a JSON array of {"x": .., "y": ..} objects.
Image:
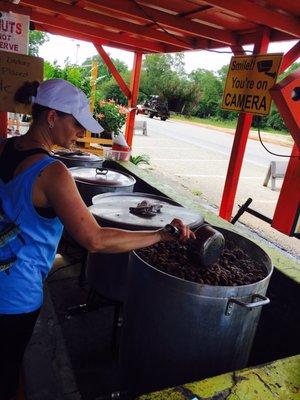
[{"x": 197, "y": 157}]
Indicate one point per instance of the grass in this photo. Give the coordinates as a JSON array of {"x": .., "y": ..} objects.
[
  {"x": 196, "y": 192},
  {"x": 222, "y": 124}
]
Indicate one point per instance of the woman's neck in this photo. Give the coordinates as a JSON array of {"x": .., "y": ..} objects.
[{"x": 34, "y": 138}]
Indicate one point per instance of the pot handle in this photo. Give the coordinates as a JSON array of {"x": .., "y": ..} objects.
[
  {"x": 101, "y": 171},
  {"x": 254, "y": 304}
]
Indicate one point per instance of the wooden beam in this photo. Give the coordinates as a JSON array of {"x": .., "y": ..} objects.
[
  {"x": 240, "y": 141},
  {"x": 289, "y": 6},
  {"x": 291, "y": 56},
  {"x": 6, "y": 7},
  {"x": 113, "y": 70},
  {"x": 106, "y": 21},
  {"x": 61, "y": 22},
  {"x": 169, "y": 21},
  {"x": 134, "y": 88},
  {"x": 94, "y": 39},
  {"x": 289, "y": 198},
  {"x": 260, "y": 15}
]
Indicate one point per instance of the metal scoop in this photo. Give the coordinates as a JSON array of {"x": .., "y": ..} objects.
[{"x": 206, "y": 249}]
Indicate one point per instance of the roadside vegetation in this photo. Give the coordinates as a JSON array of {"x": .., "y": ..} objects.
[
  {"x": 194, "y": 97},
  {"x": 229, "y": 124}
]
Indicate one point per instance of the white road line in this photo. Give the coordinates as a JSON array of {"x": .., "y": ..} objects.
[
  {"x": 162, "y": 148},
  {"x": 266, "y": 201},
  {"x": 215, "y": 176},
  {"x": 185, "y": 160}
]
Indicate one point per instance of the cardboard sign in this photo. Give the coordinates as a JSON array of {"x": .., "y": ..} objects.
[
  {"x": 248, "y": 82},
  {"x": 14, "y": 32},
  {"x": 15, "y": 70}
]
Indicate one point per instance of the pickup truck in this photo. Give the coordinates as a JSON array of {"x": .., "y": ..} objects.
[{"x": 155, "y": 106}]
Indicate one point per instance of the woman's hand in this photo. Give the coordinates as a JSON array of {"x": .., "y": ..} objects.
[{"x": 184, "y": 232}]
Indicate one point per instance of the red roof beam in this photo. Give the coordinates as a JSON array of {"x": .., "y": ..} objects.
[
  {"x": 105, "y": 21},
  {"x": 113, "y": 70},
  {"x": 79, "y": 36},
  {"x": 176, "y": 23},
  {"x": 290, "y": 57},
  {"x": 260, "y": 15},
  {"x": 61, "y": 22},
  {"x": 6, "y": 7}
]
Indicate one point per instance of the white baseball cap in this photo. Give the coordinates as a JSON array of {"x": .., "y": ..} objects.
[{"x": 61, "y": 95}]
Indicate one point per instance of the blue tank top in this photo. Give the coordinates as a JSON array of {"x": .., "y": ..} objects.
[{"x": 28, "y": 243}]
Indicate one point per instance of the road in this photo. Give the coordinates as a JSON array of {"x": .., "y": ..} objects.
[{"x": 197, "y": 158}]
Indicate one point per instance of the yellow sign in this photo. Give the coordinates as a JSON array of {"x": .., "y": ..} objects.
[
  {"x": 248, "y": 82},
  {"x": 15, "y": 70}
]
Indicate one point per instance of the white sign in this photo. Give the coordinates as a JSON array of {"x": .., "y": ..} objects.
[{"x": 14, "y": 30}]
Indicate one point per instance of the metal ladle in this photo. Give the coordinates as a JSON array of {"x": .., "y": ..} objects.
[{"x": 206, "y": 249}]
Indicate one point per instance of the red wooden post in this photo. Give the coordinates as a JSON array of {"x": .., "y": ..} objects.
[
  {"x": 240, "y": 141},
  {"x": 3, "y": 124},
  {"x": 134, "y": 88},
  {"x": 288, "y": 203},
  {"x": 289, "y": 199},
  {"x": 113, "y": 70}
]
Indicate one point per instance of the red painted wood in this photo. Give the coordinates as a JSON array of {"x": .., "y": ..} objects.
[
  {"x": 91, "y": 32},
  {"x": 289, "y": 199},
  {"x": 176, "y": 23},
  {"x": 113, "y": 70},
  {"x": 287, "y": 107},
  {"x": 260, "y": 15},
  {"x": 240, "y": 140},
  {"x": 290, "y": 57},
  {"x": 103, "y": 20},
  {"x": 288, "y": 203},
  {"x": 134, "y": 88},
  {"x": 235, "y": 165},
  {"x": 3, "y": 124}
]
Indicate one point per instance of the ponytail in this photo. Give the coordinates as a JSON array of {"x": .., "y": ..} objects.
[{"x": 25, "y": 93}]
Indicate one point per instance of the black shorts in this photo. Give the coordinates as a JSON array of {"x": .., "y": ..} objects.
[{"x": 15, "y": 333}]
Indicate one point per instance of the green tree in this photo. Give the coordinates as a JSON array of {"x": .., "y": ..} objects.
[
  {"x": 111, "y": 90},
  {"x": 210, "y": 91},
  {"x": 36, "y": 39},
  {"x": 163, "y": 75}
]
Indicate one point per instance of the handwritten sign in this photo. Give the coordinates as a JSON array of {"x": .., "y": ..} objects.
[
  {"x": 14, "y": 34},
  {"x": 248, "y": 82},
  {"x": 15, "y": 70}
]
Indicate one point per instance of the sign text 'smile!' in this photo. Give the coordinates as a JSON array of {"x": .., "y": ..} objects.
[{"x": 248, "y": 82}]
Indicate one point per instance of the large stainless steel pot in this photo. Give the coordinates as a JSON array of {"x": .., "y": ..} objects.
[
  {"x": 177, "y": 331},
  {"x": 78, "y": 158},
  {"x": 107, "y": 273},
  {"x": 93, "y": 181}
]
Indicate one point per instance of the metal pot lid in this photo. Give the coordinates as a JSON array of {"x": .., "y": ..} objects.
[
  {"x": 114, "y": 208},
  {"x": 76, "y": 155},
  {"x": 102, "y": 176}
]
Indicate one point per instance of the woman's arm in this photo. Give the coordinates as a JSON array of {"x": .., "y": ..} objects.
[{"x": 62, "y": 194}]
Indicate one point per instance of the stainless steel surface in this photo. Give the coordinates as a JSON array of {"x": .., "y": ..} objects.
[
  {"x": 114, "y": 209},
  {"x": 206, "y": 249},
  {"x": 93, "y": 181},
  {"x": 177, "y": 331},
  {"x": 78, "y": 158},
  {"x": 107, "y": 273}
]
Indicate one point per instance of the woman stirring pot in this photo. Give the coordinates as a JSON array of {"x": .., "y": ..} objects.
[{"x": 38, "y": 197}]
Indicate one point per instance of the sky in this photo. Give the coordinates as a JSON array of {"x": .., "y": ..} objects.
[{"x": 59, "y": 48}]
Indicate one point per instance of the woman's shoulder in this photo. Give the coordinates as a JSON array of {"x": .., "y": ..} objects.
[{"x": 56, "y": 170}]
